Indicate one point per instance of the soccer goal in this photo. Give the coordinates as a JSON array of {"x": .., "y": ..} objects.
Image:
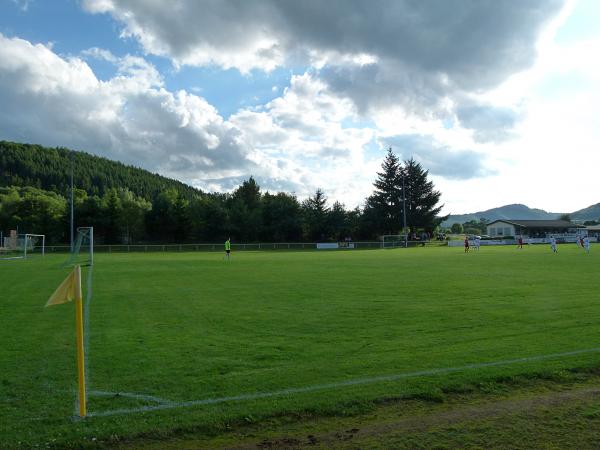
[
  {"x": 394, "y": 240},
  {"x": 23, "y": 246},
  {"x": 83, "y": 248},
  {"x": 34, "y": 244}
]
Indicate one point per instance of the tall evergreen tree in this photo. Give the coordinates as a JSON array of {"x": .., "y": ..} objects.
[
  {"x": 421, "y": 198},
  {"x": 315, "y": 213},
  {"x": 384, "y": 206},
  {"x": 245, "y": 214},
  {"x": 249, "y": 193}
]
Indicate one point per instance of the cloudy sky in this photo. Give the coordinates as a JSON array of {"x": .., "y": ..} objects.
[{"x": 499, "y": 99}]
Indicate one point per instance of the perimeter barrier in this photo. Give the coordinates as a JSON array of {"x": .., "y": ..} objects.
[{"x": 261, "y": 246}]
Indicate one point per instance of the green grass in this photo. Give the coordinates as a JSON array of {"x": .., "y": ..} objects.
[{"x": 189, "y": 326}]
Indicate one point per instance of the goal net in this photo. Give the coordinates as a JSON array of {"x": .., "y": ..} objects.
[
  {"x": 83, "y": 248},
  {"x": 394, "y": 241},
  {"x": 22, "y": 246}
]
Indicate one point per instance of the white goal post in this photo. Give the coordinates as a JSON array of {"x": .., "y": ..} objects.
[
  {"x": 394, "y": 240},
  {"x": 20, "y": 246},
  {"x": 31, "y": 241},
  {"x": 83, "y": 249}
]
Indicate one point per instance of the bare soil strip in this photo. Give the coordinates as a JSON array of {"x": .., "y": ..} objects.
[
  {"x": 514, "y": 404},
  {"x": 425, "y": 422}
]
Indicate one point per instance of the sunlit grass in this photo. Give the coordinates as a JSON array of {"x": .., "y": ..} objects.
[{"x": 190, "y": 326}]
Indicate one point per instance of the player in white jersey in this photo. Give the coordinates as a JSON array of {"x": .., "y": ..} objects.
[
  {"x": 586, "y": 244},
  {"x": 553, "y": 244},
  {"x": 477, "y": 242}
]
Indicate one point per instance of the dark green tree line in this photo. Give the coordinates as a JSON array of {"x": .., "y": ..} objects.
[{"x": 158, "y": 210}]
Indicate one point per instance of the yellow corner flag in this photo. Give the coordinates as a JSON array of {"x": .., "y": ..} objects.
[{"x": 69, "y": 290}]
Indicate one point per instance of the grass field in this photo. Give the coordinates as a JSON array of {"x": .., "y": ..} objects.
[{"x": 274, "y": 334}]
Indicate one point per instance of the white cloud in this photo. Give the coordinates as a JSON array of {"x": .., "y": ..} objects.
[
  {"x": 480, "y": 93},
  {"x": 131, "y": 117},
  {"x": 292, "y": 143},
  {"x": 302, "y": 135},
  {"x": 432, "y": 59},
  {"x": 23, "y": 4}
]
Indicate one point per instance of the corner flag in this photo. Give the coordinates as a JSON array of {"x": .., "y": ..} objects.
[{"x": 69, "y": 290}]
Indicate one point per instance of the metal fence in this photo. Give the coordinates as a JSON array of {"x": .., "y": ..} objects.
[
  {"x": 262, "y": 246},
  {"x": 150, "y": 248}
]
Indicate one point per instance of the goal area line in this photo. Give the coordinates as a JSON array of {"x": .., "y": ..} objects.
[{"x": 167, "y": 404}]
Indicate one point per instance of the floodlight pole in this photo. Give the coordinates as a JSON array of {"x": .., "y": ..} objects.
[
  {"x": 72, "y": 215},
  {"x": 404, "y": 212}
]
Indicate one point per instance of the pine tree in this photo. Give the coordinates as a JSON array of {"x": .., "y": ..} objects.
[
  {"x": 421, "y": 198},
  {"x": 384, "y": 206},
  {"x": 315, "y": 216},
  {"x": 244, "y": 205}
]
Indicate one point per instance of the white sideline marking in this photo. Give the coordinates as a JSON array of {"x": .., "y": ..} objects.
[
  {"x": 150, "y": 398},
  {"x": 319, "y": 387}
]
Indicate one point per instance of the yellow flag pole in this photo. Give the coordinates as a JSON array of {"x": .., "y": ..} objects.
[{"x": 79, "y": 328}]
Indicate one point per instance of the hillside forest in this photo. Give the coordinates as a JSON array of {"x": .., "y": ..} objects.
[{"x": 126, "y": 204}]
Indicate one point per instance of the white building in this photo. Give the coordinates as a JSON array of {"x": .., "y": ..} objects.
[{"x": 532, "y": 228}]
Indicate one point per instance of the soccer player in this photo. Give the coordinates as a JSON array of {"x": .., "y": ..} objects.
[
  {"x": 477, "y": 242},
  {"x": 581, "y": 242},
  {"x": 466, "y": 244},
  {"x": 586, "y": 244},
  {"x": 553, "y": 244},
  {"x": 520, "y": 245},
  {"x": 227, "y": 249}
]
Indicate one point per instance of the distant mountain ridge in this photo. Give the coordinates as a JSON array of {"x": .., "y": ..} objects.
[
  {"x": 589, "y": 213},
  {"x": 523, "y": 212}
]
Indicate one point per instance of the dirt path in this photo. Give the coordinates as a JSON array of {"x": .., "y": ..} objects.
[
  {"x": 424, "y": 422},
  {"x": 548, "y": 414}
]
